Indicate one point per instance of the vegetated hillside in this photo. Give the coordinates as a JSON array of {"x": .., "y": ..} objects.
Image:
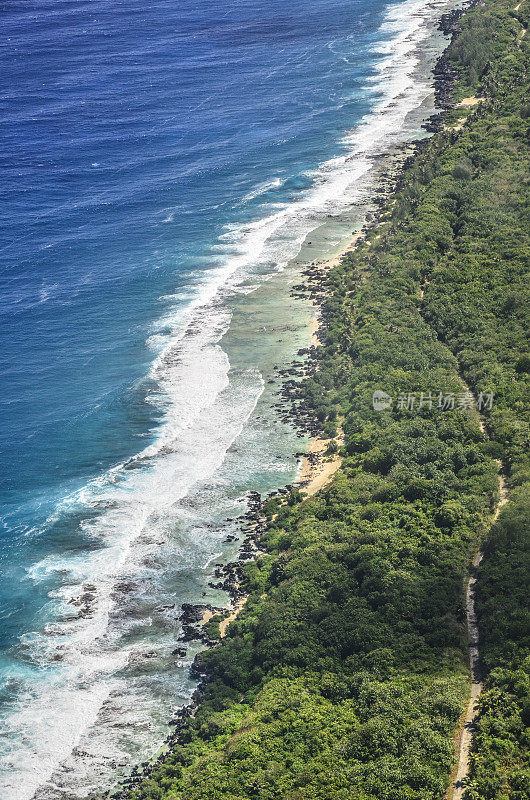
[{"x": 347, "y": 671}]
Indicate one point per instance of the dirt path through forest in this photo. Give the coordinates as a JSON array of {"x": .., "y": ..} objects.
[{"x": 457, "y": 788}]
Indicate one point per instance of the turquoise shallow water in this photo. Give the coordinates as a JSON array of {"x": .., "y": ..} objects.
[{"x": 162, "y": 166}]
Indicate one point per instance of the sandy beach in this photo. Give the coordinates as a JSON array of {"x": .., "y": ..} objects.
[{"x": 318, "y": 467}]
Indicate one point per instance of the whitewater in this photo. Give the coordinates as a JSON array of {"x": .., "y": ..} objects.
[{"x": 144, "y": 534}]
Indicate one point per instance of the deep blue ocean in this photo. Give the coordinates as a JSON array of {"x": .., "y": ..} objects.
[{"x": 157, "y": 161}]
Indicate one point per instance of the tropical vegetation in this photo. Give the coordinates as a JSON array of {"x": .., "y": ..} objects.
[{"x": 346, "y": 674}]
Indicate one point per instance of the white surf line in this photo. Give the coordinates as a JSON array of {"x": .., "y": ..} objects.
[{"x": 259, "y": 233}]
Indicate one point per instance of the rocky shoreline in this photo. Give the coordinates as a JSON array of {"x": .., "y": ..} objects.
[
  {"x": 445, "y": 74},
  {"x": 192, "y": 618},
  {"x": 291, "y": 408}
]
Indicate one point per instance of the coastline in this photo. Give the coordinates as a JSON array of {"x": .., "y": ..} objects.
[
  {"x": 321, "y": 458},
  {"x": 314, "y": 473},
  {"x": 263, "y": 597},
  {"x": 317, "y": 466}
]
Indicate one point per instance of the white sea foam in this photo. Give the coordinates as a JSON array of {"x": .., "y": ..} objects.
[
  {"x": 262, "y": 188},
  {"x": 270, "y": 242},
  {"x": 202, "y": 409}
]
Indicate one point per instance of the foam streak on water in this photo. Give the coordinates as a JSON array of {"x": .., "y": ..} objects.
[{"x": 89, "y": 664}]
